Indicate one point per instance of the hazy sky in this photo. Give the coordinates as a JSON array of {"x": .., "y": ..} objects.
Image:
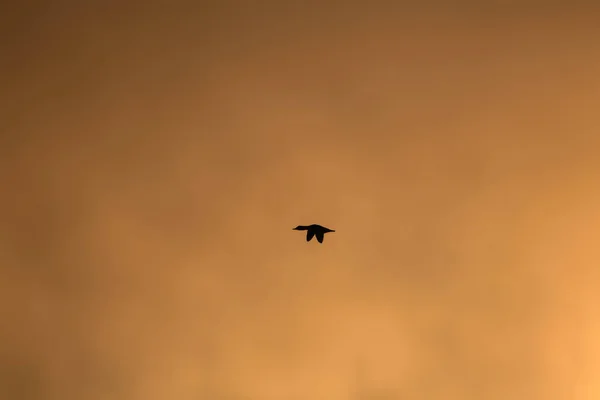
[{"x": 155, "y": 157}]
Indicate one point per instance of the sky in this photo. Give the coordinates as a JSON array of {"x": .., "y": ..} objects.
[{"x": 155, "y": 157}]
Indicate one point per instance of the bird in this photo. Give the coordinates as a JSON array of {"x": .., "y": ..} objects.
[{"x": 314, "y": 230}]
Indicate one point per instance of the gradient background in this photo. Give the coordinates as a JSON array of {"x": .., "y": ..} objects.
[{"x": 155, "y": 157}]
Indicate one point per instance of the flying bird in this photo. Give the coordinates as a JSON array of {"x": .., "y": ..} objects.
[{"x": 314, "y": 230}]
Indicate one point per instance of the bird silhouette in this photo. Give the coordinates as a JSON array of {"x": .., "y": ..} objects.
[{"x": 314, "y": 230}]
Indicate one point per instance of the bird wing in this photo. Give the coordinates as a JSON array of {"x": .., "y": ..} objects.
[
  {"x": 309, "y": 235},
  {"x": 320, "y": 236}
]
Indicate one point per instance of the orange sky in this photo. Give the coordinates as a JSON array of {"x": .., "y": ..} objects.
[{"x": 156, "y": 156}]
